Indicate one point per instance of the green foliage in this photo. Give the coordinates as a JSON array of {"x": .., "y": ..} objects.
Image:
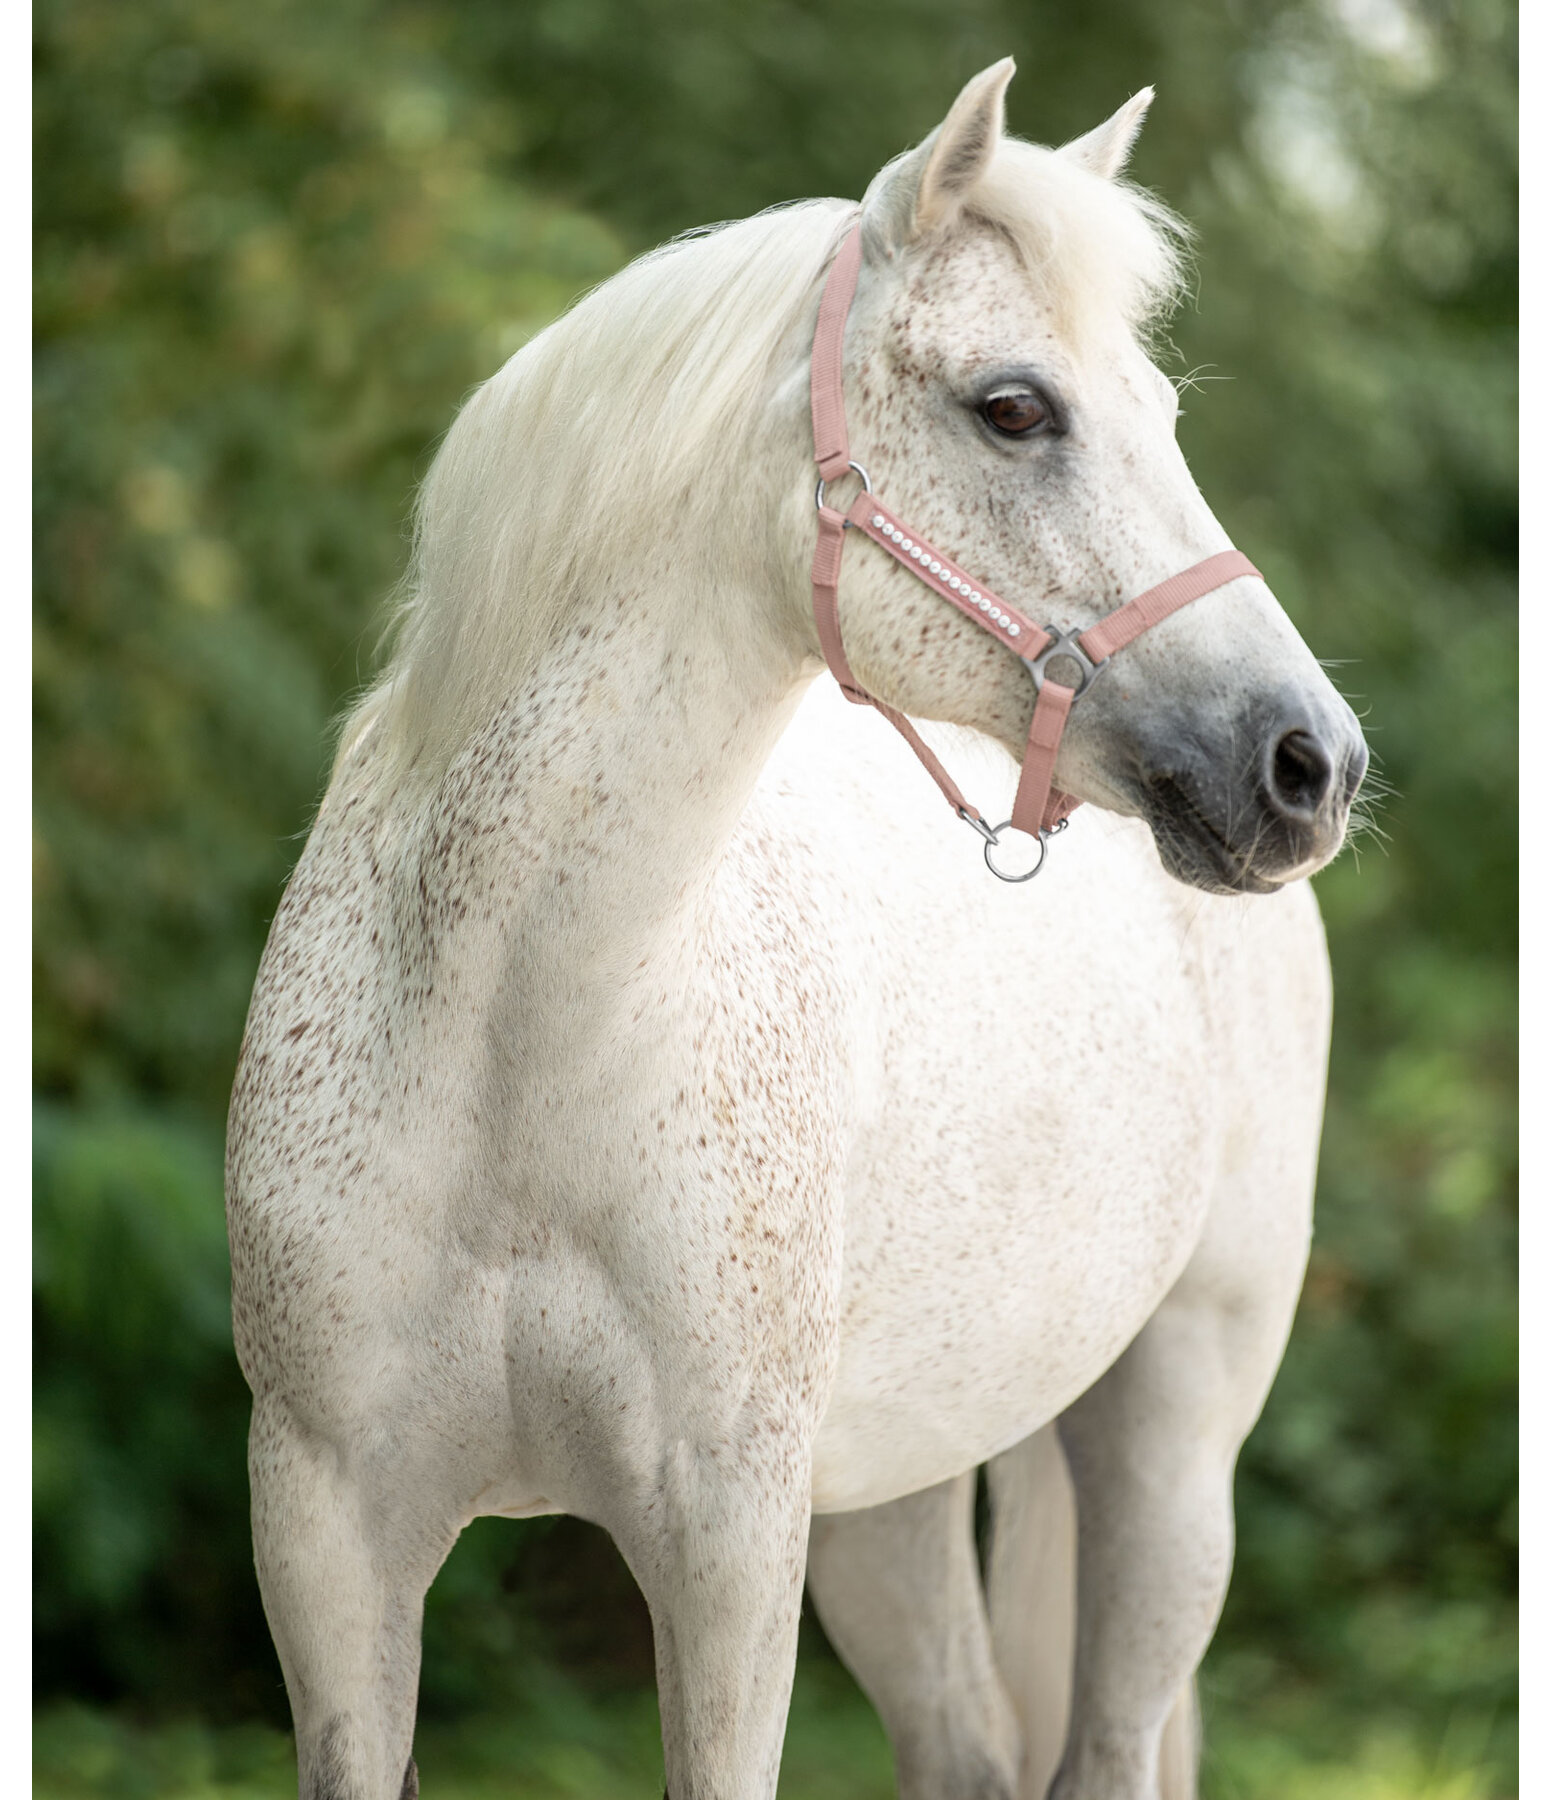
[
  {"x": 139, "y": 1408},
  {"x": 277, "y": 243},
  {"x": 273, "y": 253},
  {"x": 561, "y": 1745}
]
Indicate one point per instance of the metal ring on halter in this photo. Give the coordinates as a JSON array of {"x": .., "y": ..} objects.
[
  {"x": 1064, "y": 643},
  {"x": 993, "y": 841},
  {"x": 866, "y": 483}
]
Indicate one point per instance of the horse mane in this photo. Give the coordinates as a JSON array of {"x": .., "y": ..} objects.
[{"x": 627, "y": 409}]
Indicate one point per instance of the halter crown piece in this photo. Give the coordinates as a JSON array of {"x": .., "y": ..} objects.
[{"x": 1040, "y": 809}]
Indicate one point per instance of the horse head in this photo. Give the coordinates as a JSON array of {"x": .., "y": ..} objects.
[{"x": 1001, "y": 397}]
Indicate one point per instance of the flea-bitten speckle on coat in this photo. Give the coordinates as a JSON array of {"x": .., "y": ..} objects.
[{"x": 650, "y": 1108}]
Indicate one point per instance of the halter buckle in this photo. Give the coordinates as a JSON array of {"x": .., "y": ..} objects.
[
  {"x": 1064, "y": 643},
  {"x": 991, "y": 834}
]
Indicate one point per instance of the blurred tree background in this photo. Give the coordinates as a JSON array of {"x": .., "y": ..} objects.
[{"x": 276, "y": 244}]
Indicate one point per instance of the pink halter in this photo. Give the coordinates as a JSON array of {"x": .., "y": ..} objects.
[{"x": 1040, "y": 809}]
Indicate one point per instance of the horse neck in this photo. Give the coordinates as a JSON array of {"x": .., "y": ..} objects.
[{"x": 572, "y": 842}]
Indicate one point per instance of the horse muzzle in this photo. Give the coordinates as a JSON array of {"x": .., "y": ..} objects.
[{"x": 1235, "y": 827}]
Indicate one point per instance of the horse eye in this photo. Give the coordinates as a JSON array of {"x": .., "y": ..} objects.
[{"x": 1015, "y": 412}]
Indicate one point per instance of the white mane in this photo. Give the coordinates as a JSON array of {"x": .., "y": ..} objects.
[{"x": 631, "y": 408}]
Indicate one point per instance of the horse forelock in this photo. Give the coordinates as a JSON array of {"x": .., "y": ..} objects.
[{"x": 1102, "y": 251}]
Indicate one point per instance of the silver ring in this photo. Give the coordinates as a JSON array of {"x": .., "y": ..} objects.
[
  {"x": 993, "y": 843},
  {"x": 866, "y": 484}
]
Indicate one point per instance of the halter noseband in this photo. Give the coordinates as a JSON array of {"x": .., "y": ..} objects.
[{"x": 1040, "y": 809}]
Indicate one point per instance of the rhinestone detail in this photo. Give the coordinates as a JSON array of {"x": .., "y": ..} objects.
[{"x": 956, "y": 583}]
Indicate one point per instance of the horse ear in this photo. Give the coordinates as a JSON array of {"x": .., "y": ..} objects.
[
  {"x": 923, "y": 191},
  {"x": 1106, "y": 149}
]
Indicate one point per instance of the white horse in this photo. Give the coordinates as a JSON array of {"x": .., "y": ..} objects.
[{"x": 650, "y": 1108}]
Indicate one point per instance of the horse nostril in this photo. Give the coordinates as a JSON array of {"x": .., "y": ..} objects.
[{"x": 1300, "y": 774}]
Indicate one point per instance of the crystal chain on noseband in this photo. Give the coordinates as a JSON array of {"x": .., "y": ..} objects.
[{"x": 1040, "y": 809}]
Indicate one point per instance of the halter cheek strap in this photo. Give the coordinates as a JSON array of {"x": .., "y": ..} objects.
[{"x": 1040, "y": 808}]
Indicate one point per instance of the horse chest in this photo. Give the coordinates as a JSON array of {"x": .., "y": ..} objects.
[{"x": 1031, "y": 1179}]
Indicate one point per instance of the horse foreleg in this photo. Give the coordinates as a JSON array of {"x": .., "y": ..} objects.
[
  {"x": 719, "y": 1553},
  {"x": 343, "y": 1579},
  {"x": 898, "y": 1590}
]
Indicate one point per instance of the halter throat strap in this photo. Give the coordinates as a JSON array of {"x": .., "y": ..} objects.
[{"x": 1040, "y": 808}]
